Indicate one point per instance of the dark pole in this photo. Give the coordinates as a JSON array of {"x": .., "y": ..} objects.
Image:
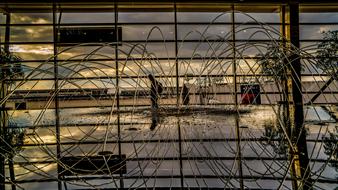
[
  {"x": 117, "y": 86},
  {"x": 4, "y": 119},
  {"x": 2, "y": 145},
  {"x": 56, "y": 102},
  {"x": 234, "y": 70},
  {"x": 10, "y": 157},
  {"x": 3, "y": 111},
  {"x": 284, "y": 104},
  {"x": 298, "y": 150},
  {"x": 178, "y": 100},
  {"x": 2, "y": 157}
]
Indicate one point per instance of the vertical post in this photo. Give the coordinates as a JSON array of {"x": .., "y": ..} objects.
[
  {"x": 178, "y": 99},
  {"x": 56, "y": 100},
  {"x": 284, "y": 103},
  {"x": 298, "y": 150},
  {"x": 7, "y": 32},
  {"x": 176, "y": 58},
  {"x": 234, "y": 70},
  {"x": 3, "y": 116},
  {"x": 10, "y": 157},
  {"x": 2, "y": 133},
  {"x": 11, "y": 171},
  {"x": 117, "y": 86}
]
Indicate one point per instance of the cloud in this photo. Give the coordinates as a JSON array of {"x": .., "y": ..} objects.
[
  {"x": 40, "y": 21},
  {"x": 323, "y": 29},
  {"x": 98, "y": 72},
  {"x": 32, "y": 34},
  {"x": 33, "y": 18},
  {"x": 27, "y": 49}
]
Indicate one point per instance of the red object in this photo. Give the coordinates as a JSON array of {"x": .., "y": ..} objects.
[{"x": 248, "y": 98}]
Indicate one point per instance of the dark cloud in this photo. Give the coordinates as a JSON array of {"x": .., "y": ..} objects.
[{"x": 32, "y": 34}]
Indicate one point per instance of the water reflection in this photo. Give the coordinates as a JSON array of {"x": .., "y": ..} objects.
[{"x": 204, "y": 124}]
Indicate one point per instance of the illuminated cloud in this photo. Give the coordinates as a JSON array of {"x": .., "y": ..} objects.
[
  {"x": 98, "y": 72},
  {"x": 32, "y": 34},
  {"x": 323, "y": 29},
  {"x": 40, "y": 21},
  {"x": 32, "y": 18},
  {"x": 29, "y": 49}
]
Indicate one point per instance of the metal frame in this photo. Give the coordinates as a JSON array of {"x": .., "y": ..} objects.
[{"x": 295, "y": 39}]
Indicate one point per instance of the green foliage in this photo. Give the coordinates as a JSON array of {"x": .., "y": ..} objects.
[
  {"x": 275, "y": 137},
  {"x": 331, "y": 147},
  {"x": 273, "y": 61},
  {"x": 327, "y": 53},
  {"x": 12, "y": 140},
  {"x": 10, "y": 66}
]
